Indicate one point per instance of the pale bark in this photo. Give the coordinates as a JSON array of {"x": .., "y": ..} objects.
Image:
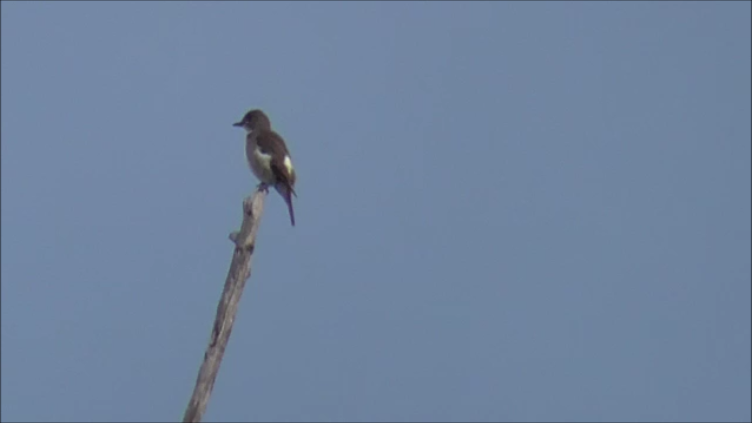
[{"x": 240, "y": 271}]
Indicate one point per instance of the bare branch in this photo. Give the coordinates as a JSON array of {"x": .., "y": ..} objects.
[{"x": 240, "y": 271}]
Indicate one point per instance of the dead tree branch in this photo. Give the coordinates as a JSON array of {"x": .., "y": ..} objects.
[{"x": 240, "y": 271}]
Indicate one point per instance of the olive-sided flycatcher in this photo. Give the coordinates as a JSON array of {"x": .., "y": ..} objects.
[{"x": 268, "y": 156}]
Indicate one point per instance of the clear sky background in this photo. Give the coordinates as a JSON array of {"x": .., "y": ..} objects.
[{"x": 506, "y": 211}]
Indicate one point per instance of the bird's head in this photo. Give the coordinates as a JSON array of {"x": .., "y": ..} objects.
[{"x": 253, "y": 120}]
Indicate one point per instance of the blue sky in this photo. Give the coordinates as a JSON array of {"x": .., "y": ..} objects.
[{"x": 507, "y": 211}]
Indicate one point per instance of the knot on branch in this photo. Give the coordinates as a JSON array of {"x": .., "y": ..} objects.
[{"x": 253, "y": 206}]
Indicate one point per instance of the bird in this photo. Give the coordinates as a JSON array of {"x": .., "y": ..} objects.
[{"x": 268, "y": 156}]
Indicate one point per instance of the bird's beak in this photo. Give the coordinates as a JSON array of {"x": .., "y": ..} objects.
[{"x": 237, "y": 124}]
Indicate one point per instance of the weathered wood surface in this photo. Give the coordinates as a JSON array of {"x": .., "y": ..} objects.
[{"x": 240, "y": 271}]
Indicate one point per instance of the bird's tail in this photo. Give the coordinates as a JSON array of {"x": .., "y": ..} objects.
[{"x": 287, "y": 192}]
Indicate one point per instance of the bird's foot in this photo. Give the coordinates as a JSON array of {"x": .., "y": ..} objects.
[{"x": 263, "y": 187}]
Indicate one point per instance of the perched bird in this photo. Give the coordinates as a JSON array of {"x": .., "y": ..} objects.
[{"x": 268, "y": 156}]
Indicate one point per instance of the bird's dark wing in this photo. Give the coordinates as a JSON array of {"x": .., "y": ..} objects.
[{"x": 269, "y": 142}]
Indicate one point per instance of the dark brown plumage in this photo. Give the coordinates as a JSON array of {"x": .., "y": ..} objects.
[
  {"x": 272, "y": 144},
  {"x": 269, "y": 157}
]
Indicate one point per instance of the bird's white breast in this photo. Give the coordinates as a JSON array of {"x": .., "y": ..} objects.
[{"x": 259, "y": 162}]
